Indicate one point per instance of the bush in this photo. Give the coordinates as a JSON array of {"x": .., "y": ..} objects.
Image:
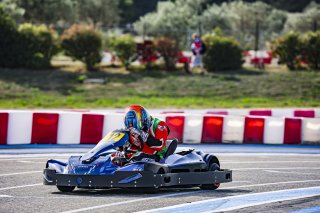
[
  {"x": 125, "y": 47},
  {"x": 288, "y": 49},
  {"x": 83, "y": 43},
  {"x": 222, "y": 53},
  {"x": 28, "y": 47},
  {"x": 8, "y": 38},
  {"x": 311, "y": 49},
  {"x": 168, "y": 49},
  {"x": 40, "y": 45}
]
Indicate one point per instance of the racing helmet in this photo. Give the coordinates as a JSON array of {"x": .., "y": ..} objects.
[{"x": 137, "y": 116}]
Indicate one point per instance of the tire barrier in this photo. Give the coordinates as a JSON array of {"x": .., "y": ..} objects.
[{"x": 82, "y": 127}]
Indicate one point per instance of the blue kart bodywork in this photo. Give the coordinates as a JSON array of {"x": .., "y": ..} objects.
[{"x": 95, "y": 169}]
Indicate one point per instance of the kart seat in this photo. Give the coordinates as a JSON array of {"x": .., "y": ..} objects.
[{"x": 171, "y": 147}]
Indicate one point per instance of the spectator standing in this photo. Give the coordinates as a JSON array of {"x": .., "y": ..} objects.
[{"x": 198, "y": 49}]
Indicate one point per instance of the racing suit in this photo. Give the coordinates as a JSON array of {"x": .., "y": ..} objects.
[{"x": 153, "y": 144}]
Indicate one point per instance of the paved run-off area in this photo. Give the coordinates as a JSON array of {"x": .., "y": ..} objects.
[{"x": 265, "y": 179}]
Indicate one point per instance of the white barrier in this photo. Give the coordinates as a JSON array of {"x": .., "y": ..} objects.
[
  {"x": 311, "y": 130},
  {"x": 19, "y": 127},
  {"x": 112, "y": 121},
  {"x": 69, "y": 127},
  {"x": 193, "y": 128},
  {"x": 233, "y": 129},
  {"x": 273, "y": 130}
]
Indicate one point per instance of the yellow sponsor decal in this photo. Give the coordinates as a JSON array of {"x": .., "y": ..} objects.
[{"x": 115, "y": 136}]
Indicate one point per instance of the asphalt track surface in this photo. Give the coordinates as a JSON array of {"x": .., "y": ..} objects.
[{"x": 265, "y": 179}]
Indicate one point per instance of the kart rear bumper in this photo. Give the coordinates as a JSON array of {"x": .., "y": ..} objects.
[{"x": 131, "y": 179}]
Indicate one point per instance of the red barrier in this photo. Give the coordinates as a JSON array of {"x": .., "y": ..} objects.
[
  {"x": 91, "y": 128},
  {"x": 212, "y": 129},
  {"x": 218, "y": 112},
  {"x": 176, "y": 125},
  {"x": 253, "y": 130},
  {"x": 305, "y": 113},
  {"x": 4, "y": 118},
  {"x": 44, "y": 128},
  {"x": 292, "y": 131},
  {"x": 261, "y": 112}
]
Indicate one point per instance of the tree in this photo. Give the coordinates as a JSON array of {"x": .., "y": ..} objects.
[
  {"x": 171, "y": 19},
  {"x": 103, "y": 12},
  {"x": 12, "y": 8},
  {"x": 309, "y": 20},
  {"x": 216, "y": 16}
]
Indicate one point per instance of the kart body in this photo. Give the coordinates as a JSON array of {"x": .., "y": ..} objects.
[{"x": 95, "y": 169}]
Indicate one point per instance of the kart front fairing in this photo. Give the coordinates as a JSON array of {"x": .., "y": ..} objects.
[
  {"x": 98, "y": 161},
  {"x": 95, "y": 162}
]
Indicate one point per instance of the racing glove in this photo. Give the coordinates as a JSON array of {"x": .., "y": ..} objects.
[
  {"x": 137, "y": 138},
  {"x": 118, "y": 154}
]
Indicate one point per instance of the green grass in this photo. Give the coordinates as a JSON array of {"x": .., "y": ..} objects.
[{"x": 155, "y": 89}]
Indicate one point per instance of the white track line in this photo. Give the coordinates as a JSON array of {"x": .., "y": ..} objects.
[
  {"x": 262, "y": 162},
  {"x": 50, "y": 155},
  {"x": 19, "y": 173},
  {"x": 279, "y": 168},
  {"x": 5, "y": 196},
  {"x": 299, "y": 173},
  {"x": 270, "y": 184},
  {"x": 23, "y": 186},
  {"x": 235, "y": 202},
  {"x": 274, "y": 154},
  {"x": 179, "y": 194}
]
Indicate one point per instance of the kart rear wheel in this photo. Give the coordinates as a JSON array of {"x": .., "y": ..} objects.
[
  {"x": 213, "y": 167},
  {"x": 66, "y": 188}
]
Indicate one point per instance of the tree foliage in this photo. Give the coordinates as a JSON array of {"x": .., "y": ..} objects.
[
  {"x": 64, "y": 12},
  {"x": 171, "y": 19},
  {"x": 180, "y": 18},
  {"x": 309, "y": 20}
]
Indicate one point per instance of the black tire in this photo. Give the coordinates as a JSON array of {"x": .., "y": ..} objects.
[
  {"x": 66, "y": 188},
  {"x": 211, "y": 159},
  {"x": 213, "y": 167}
]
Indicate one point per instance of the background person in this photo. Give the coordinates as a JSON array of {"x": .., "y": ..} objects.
[{"x": 198, "y": 49}]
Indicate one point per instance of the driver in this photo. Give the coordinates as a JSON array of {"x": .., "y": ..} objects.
[{"x": 148, "y": 135}]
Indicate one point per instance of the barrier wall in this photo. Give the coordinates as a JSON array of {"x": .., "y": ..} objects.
[{"x": 62, "y": 127}]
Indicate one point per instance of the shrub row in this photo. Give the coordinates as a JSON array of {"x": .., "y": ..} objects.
[
  {"x": 25, "y": 46},
  {"x": 297, "y": 50},
  {"x": 30, "y": 46}
]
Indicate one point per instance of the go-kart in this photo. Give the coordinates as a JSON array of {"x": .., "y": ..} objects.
[{"x": 96, "y": 169}]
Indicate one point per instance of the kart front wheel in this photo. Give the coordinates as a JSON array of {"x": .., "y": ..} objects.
[
  {"x": 213, "y": 186},
  {"x": 66, "y": 188}
]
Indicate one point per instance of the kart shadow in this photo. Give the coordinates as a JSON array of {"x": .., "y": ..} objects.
[{"x": 163, "y": 191}]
